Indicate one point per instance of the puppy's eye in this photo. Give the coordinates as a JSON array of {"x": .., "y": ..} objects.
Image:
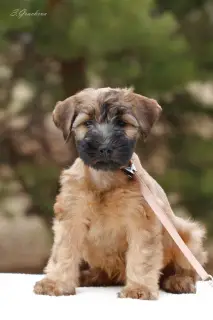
[
  {"x": 121, "y": 123},
  {"x": 88, "y": 123}
]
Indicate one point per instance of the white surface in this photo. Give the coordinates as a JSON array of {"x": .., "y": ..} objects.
[{"x": 17, "y": 301}]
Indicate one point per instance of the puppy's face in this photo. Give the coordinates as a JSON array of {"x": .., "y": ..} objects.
[
  {"x": 106, "y": 139},
  {"x": 105, "y": 124}
]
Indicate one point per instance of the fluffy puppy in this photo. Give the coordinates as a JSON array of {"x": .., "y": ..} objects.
[{"x": 100, "y": 215}]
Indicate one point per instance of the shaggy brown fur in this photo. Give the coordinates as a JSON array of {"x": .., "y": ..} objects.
[{"x": 101, "y": 218}]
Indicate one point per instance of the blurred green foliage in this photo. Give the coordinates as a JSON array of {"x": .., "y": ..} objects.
[{"x": 159, "y": 47}]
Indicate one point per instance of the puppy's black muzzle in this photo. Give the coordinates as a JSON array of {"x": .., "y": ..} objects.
[{"x": 106, "y": 147}]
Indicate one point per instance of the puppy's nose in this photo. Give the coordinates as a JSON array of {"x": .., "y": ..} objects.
[{"x": 105, "y": 152}]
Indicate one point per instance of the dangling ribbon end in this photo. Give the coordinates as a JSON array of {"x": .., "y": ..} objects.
[{"x": 210, "y": 280}]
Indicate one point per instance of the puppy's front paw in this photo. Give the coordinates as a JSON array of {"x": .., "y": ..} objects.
[
  {"x": 52, "y": 288},
  {"x": 140, "y": 292}
]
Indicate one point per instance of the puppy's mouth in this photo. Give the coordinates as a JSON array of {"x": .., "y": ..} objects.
[{"x": 106, "y": 165}]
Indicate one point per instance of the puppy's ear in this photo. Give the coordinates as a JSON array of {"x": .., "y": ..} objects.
[
  {"x": 147, "y": 112},
  {"x": 63, "y": 116}
]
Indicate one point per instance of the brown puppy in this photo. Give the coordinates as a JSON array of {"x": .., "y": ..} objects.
[{"x": 100, "y": 216}]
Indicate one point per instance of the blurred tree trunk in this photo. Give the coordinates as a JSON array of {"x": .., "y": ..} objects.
[{"x": 73, "y": 74}]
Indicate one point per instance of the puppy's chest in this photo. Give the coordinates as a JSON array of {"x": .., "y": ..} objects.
[
  {"x": 105, "y": 232},
  {"x": 108, "y": 214}
]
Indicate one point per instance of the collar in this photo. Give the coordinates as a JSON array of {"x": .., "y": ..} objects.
[{"x": 130, "y": 170}]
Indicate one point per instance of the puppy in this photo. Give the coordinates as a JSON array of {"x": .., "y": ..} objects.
[{"x": 100, "y": 215}]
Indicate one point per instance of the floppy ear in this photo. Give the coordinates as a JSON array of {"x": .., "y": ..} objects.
[
  {"x": 63, "y": 116},
  {"x": 147, "y": 112}
]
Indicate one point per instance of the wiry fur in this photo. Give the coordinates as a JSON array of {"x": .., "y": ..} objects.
[{"x": 101, "y": 218}]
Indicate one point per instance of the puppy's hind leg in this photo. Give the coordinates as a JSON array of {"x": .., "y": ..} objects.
[{"x": 179, "y": 276}]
